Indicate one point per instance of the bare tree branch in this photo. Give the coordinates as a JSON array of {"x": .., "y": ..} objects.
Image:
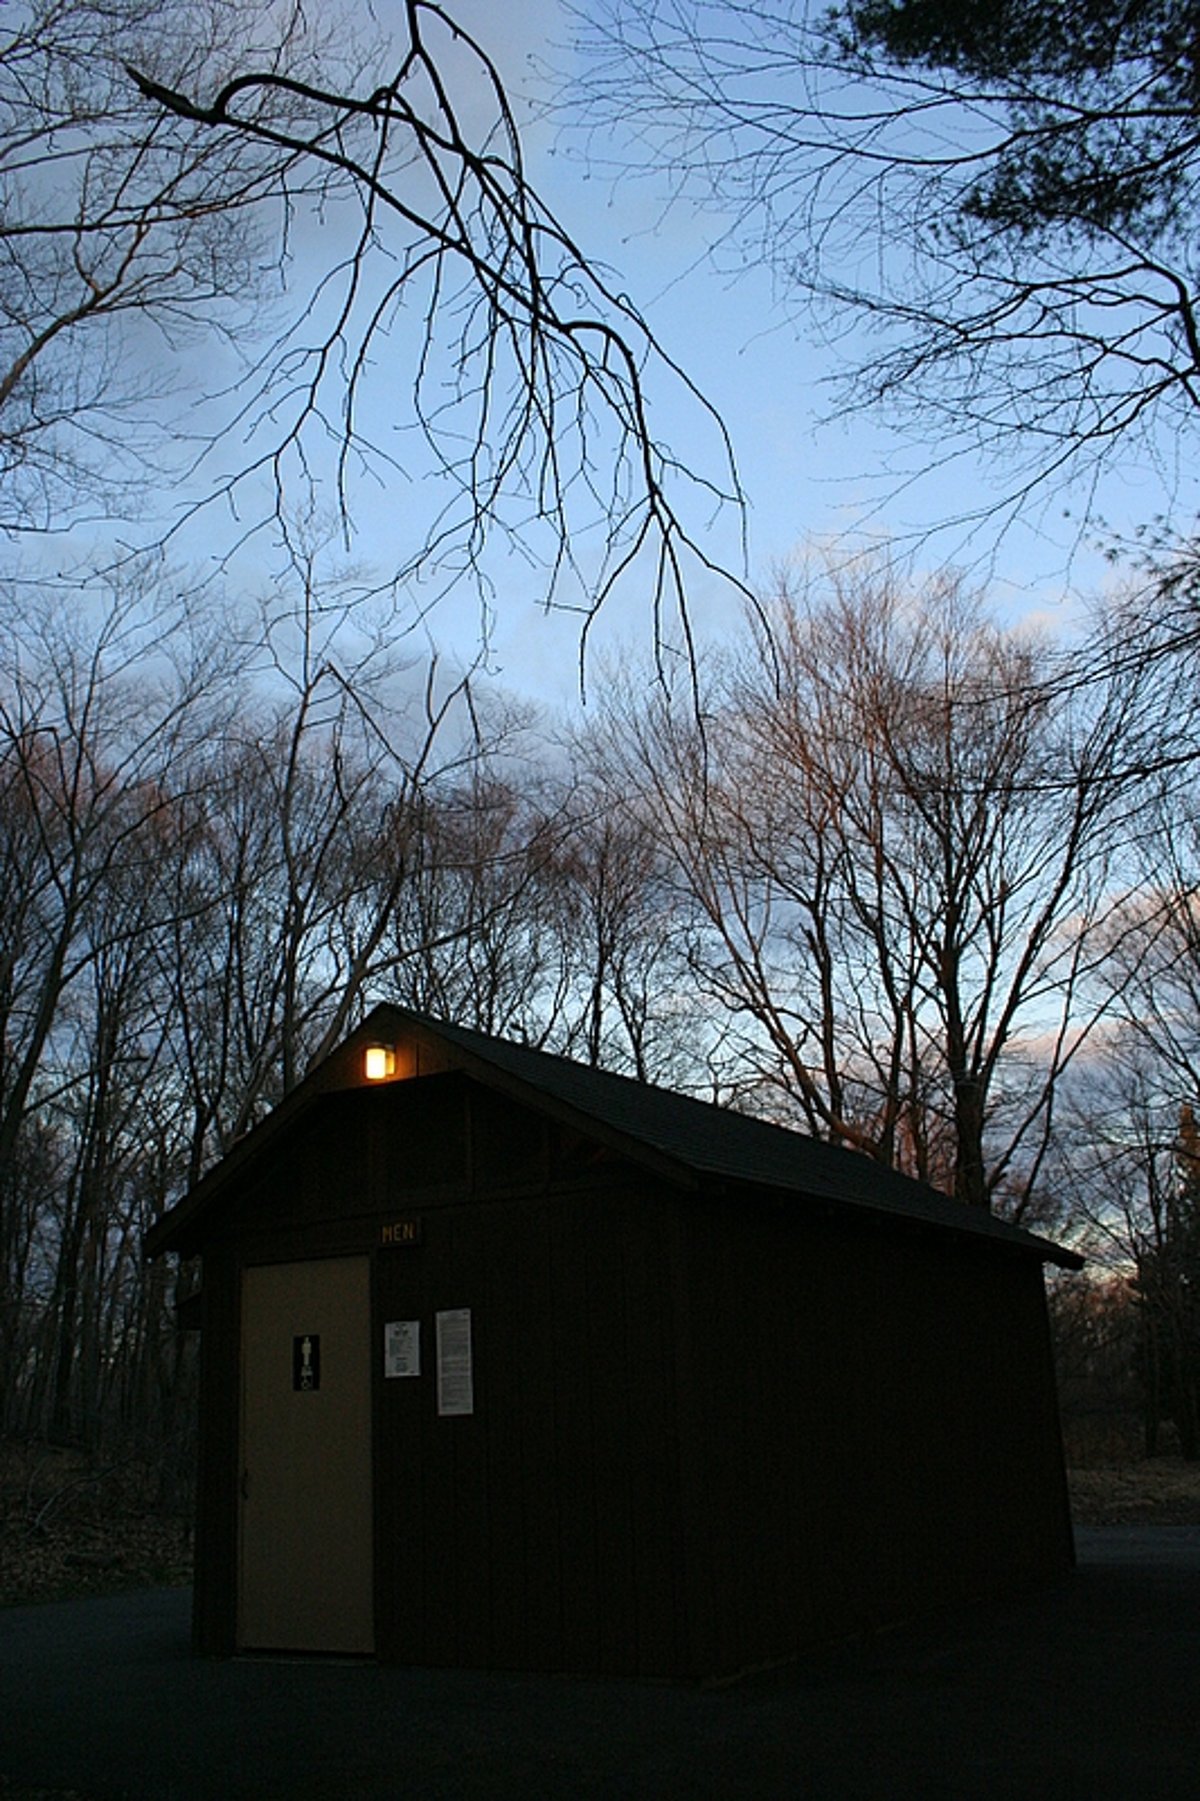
[{"x": 529, "y": 395}]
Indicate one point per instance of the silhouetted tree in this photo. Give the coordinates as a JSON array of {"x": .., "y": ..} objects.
[
  {"x": 525, "y": 387},
  {"x": 993, "y": 203},
  {"x": 892, "y": 836}
]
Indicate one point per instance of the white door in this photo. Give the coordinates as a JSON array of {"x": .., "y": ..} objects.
[{"x": 306, "y": 1571}]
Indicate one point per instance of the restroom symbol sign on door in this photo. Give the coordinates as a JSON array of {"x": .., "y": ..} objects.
[{"x": 306, "y": 1362}]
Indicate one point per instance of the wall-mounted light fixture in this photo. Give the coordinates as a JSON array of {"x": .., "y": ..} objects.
[{"x": 379, "y": 1062}]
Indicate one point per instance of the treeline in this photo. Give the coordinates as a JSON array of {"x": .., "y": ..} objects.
[
  {"x": 220, "y": 839},
  {"x": 881, "y": 869}
]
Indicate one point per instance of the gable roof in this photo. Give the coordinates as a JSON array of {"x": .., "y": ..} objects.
[{"x": 691, "y": 1142}]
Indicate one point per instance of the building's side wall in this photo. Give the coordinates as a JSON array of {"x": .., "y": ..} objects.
[{"x": 883, "y": 1406}]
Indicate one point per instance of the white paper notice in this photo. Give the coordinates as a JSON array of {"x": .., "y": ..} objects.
[
  {"x": 402, "y": 1347},
  {"x": 455, "y": 1388}
]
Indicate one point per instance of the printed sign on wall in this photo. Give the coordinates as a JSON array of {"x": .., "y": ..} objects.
[
  {"x": 402, "y": 1347},
  {"x": 455, "y": 1383},
  {"x": 306, "y": 1363}
]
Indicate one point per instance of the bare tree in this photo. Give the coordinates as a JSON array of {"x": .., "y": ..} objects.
[
  {"x": 631, "y": 1005},
  {"x": 298, "y": 852},
  {"x": 90, "y": 765},
  {"x": 896, "y": 849},
  {"x": 538, "y": 909},
  {"x": 1127, "y": 1158},
  {"x": 528, "y": 395},
  {"x": 87, "y": 751},
  {"x": 992, "y": 206},
  {"x": 476, "y": 937},
  {"x": 125, "y": 237},
  {"x": 202, "y": 875}
]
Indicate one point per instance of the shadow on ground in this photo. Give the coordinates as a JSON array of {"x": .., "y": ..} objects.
[{"x": 1091, "y": 1690}]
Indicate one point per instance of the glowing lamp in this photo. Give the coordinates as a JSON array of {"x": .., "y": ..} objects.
[{"x": 379, "y": 1063}]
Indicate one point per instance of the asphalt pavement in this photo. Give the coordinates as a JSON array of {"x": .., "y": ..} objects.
[{"x": 1089, "y": 1690}]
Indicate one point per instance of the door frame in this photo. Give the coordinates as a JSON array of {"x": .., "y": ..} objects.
[{"x": 305, "y": 1538}]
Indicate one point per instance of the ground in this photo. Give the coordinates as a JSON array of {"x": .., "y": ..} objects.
[
  {"x": 1159, "y": 1491},
  {"x": 71, "y": 1526}
]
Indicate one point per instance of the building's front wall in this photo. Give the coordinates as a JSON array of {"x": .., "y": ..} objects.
[
  {"x": 540, "y": 1532},
  {"x": 540, "y": 1529}
]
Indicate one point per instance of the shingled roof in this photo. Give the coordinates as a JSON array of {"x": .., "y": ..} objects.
[{"x": 696, "y": 1141}]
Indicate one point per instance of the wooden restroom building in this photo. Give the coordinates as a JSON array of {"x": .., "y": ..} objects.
[{"x": 511, "y": 1363}]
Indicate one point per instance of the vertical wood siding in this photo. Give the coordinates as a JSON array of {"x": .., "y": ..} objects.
[
  {"x": 707, "y": 1432},
  {"x": 884, "y": 1408},
  {"x": 540, "y": 1532}
]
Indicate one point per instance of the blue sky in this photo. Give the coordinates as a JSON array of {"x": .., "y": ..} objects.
[{"x": 811, "y": 486}]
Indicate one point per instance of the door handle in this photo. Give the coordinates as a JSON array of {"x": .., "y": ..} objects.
[{"x": 245, "y": 1485}]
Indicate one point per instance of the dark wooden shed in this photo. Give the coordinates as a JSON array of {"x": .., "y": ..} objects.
[{"x": 511, "y": 1363}]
